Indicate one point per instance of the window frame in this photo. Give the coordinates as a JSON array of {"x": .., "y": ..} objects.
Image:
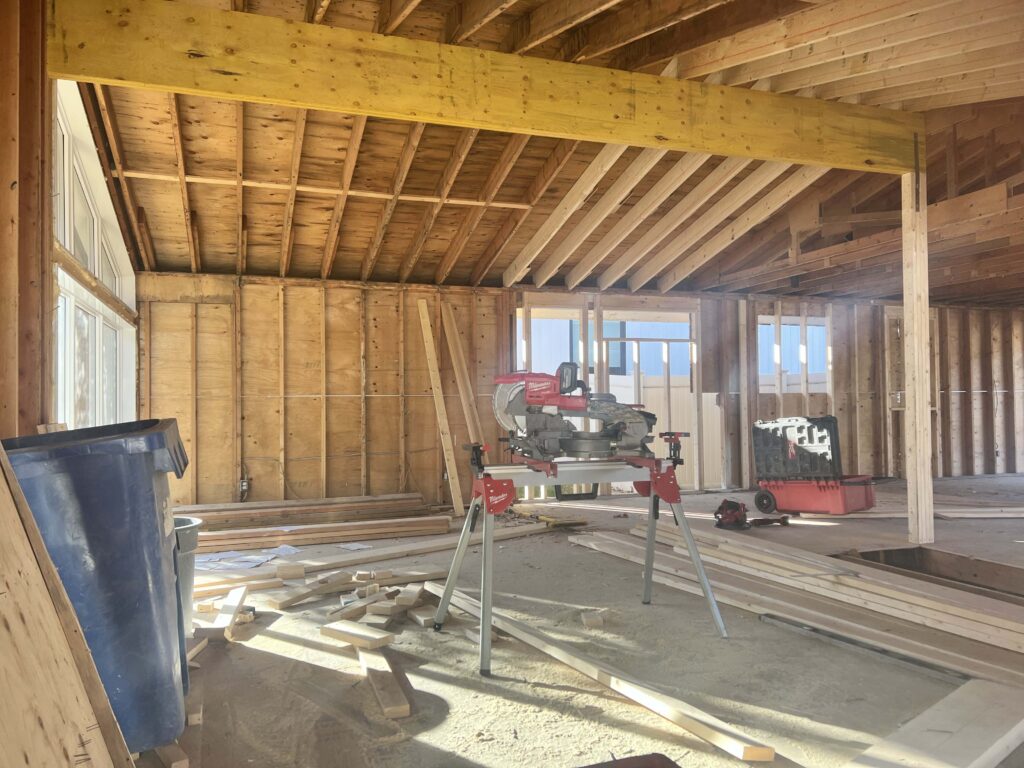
[{"x": 778, "y": 375}]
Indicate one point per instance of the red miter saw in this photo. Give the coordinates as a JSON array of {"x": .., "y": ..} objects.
[{"x": 535, "y": 408}]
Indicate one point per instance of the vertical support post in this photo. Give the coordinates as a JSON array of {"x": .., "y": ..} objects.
[
  {"x": 917, "y": 354},
  {"x": 745, "y": 419}
]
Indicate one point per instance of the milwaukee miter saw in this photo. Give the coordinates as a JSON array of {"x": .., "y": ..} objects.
[{"x": 535, "y": 408}]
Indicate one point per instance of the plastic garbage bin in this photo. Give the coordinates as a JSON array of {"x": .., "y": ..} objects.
[
  {"x": 100, "y": 498},
  {"x": 186, "y": 529}
]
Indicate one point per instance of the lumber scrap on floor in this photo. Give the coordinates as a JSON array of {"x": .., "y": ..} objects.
[
  {"x": 354, "y": 633},
  {"x": 377, "y": 554},
  {"x": 345, "y": 581},
  {"x": 327, "y": 533},
  {"x": 380, "y": 673},
  {"x": 975, "y": 726},
  {"x": 952, "y": 610},
  {"x": 45, "y": 664},
  {"x": 688, "y": 717},
  {"x": 861, "y": 625}
]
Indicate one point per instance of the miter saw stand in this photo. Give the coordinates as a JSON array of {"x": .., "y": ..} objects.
[{"x": 494, "y": 491}]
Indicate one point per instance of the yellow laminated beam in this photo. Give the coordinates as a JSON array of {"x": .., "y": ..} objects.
[{"x": 166, "y": 45}]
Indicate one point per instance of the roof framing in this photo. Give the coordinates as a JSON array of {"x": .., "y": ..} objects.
[{"x": 231, "y": 55}]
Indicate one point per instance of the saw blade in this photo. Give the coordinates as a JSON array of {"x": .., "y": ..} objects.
[{"x": 503, "y": 395}]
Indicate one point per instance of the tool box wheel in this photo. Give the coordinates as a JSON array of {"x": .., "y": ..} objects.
[{"x": 765, "y": 502}]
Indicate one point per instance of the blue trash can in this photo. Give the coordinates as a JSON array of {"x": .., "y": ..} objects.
[{"x": 100, "y": 498}]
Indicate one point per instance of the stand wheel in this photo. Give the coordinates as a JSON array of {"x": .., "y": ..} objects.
[{"x": 765, "y": 502}]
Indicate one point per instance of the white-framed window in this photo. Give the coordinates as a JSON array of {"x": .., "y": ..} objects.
[
  {"x": 792, "y": 354},
  {"x": 95, "y": 351},
  {"x": 94, "y": 356}
]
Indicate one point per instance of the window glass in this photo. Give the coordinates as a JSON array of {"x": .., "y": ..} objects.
[
  {"x": 110, "y": 382},
  {"x": 107, "y": 275},
  {"x": 817, "y": 356},
  {"x": 790, "y": 355},
  {"x": 62, "y": 346},
  {"x": 84, "y": 223},
  {"x": 766, "y": 356},
  {"x": 59, "y": 207},
  {"x": 85, "y": 369}
]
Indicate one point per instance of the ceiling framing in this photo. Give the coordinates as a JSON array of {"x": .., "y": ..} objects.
[{"x": 217, "y": 186}]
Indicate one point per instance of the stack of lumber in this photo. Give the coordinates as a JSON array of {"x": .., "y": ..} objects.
[
  {"x": 750, "y": 588},
  {"x": 932, "y": 605},
  {"x": 325, "y": 533},
  {"x": 256, "y": 514}
]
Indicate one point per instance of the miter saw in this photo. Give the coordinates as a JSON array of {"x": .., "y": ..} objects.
[{"x": 535, "y": 408}]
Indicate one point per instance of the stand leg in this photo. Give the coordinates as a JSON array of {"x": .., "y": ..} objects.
[
  {"x": 652, "y": 527},
  {"x": 453, "y": 572},
  {"x": 698, "y": 566},
  {"x": 486, "y": 577}
]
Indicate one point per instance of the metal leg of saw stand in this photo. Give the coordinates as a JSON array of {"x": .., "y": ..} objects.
[
  {"x": 486, "y": 579},
  {"x": 698, "y": 565}
]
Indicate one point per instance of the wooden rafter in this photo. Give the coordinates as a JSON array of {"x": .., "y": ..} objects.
[
  {"x": 708, "y": 187},
  {"x": 602, "y": 209},
  {"x": 287, "y": 231},
  {"x": 629, "y": 22},
  {"x": 725, "y": 206},
  {"x": 405, "y": 159},
  {"x": 109, "y": 121},
  {"x": 470, "y": 16},
  {"x": 348, "y": 168},
  {"x": 393, "y": 13},
  {"x": 179, "y": 152},
  {"x": 239, "y": 187},
  {"x": 553, "y": 165},
  {"x": 550, "y": 20},
  {"x": 444, "y": 185},
  {"x": 383, "y": 75},
  {"x": 772, "y": 202},
  {"x": 510, "y": 154},
  {"x": 674, "y": 178}
]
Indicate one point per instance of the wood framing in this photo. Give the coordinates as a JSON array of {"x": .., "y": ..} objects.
[{"x": 248, "y": 57}]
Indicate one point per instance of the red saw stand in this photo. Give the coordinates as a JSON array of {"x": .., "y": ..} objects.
[{"x": 494, "y": 491}]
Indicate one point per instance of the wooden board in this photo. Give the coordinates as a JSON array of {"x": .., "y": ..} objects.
[
  {"x": 356, "y": 634},
  {"x": 46, "y": 666},
  {"x": 377, "y": 667},
  {"x": 976, "y": 726},
  {"x": 707, "y": 727}
]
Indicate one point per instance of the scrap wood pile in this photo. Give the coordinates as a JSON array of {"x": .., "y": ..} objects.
[{"x": 942, "y": 626}]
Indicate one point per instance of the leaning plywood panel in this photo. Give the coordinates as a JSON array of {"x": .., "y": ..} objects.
[
  {"x": 976, "y": 726},
  {"x": 53, "y": 711}
]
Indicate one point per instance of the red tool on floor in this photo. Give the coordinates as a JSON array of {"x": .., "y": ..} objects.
[{"x": 732, "y": 515}]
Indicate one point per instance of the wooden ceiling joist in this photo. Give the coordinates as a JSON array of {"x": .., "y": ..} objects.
[
  {"x": 600, "y": 211},
  {"x": 348, "y": 168},
  {"x": 725, "y": 206},
  {"x": 229, "y": 55},
  {"x": 674, "y": 178},
  {"x": 405, "y": 159},
  {"x": 708, "y": 187},
  {"x": 179, "y": 152},
  {"x": 393, "y": 13},
  {"x": 549, "y": 20},
  {"x": 444, "y": 185},
  {"x": 553, "y": 165},
  {"x": 633, "y": 21},
  {"x": 510, "y": 154},
  {"x": 470, "y": 16},
  {"x": 287, "y": 231}
]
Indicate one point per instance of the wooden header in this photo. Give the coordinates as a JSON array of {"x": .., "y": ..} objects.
[{"x": 167, "y": 45}]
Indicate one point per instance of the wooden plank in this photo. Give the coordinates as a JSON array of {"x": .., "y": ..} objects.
[
  {"x": 172, "y": 756},
  {"x": 252, "y": 57},
  {"x": 917, "y": 357},
  {"x": 379, "y": 671},
  {"x": 976, "y": 726},
  {"x": 688, "y": 717},
  {"x": 186, "y": 206},
  {"x": 462, "y": 378},
  {"x": 550, "y": 19},
  {"x": 46, "y": 663},
  {"x": 228, "y": 613},
  {"x": 470, "y": 16},
  {"x": 440, "y": 410},
  {"x": 357, "y": 634}
]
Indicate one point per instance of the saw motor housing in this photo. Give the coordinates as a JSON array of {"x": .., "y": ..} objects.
[{"x": 535, "y": 408}]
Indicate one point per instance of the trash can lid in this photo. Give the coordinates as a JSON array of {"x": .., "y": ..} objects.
[{"x": 157, "y": 436}]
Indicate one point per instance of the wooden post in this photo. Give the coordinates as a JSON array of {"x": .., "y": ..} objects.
[
  {"x": 917, "y": 356},
  {"x": 439, "y": 407}
]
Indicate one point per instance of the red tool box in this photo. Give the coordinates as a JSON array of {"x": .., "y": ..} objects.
[{"x": 799, "y": 469}]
